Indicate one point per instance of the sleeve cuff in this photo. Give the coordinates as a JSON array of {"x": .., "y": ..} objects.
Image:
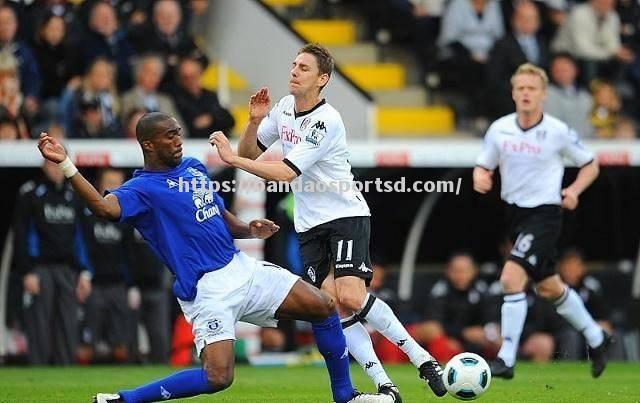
[
  {"x": 584, "y": 165},
  {"x": 261, "y": 146},
  {"x": 484, "y": 167},
  {"x": 292, "y": 166}
]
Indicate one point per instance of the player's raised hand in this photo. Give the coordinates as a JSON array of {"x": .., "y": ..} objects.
[
  {"x": 569, "y": 199},
  {"x": 482, "y": 180},
  {"x": 220, "y": 141},
  {"x": 263, "y": 228},
  {"x": 259, "y": 105},
  {"x": 51, "y": 148}
]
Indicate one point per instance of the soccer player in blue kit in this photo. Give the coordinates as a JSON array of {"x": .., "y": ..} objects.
[{"x": 215, "y": 283}]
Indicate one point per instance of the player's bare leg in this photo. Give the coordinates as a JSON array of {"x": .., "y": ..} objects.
[{"x": 571, "y": 307}]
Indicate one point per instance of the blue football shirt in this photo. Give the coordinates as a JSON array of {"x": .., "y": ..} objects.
[{"x": 184, "y": 228}]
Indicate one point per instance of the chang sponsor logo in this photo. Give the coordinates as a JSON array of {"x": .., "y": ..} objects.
[{"x": 203, "y": 201}]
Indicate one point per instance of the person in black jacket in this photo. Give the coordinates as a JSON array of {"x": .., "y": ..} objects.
[
  {"x": 199, "y": 108},
  {"x": 148, "y": 298},
  {"x": 520, "y": 46},
  {"x": 49, "y": 245},
  {"x": 107, "y": 314},
  {"x": 166, "y": 35},
  {"x": 60, "y": 59},
  {"x": 573, "y": 271},
  {"x": 457, "y": 311}
]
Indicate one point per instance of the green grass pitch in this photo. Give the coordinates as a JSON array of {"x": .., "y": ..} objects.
[{"x": 557, "y": 383}]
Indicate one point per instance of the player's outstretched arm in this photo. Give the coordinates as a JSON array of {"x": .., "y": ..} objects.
[
  {"x": 106, "y": 207},
  {"x": 259, "y": 106},
  {"x": 261, "y": 228},
  {"x": 269, "y": 170}
]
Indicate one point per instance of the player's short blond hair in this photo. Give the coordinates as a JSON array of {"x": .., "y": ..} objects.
[{"x": 529, "y": 68}]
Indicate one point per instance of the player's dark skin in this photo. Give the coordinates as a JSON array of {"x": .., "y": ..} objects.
[{"x": 161, "y": 145}]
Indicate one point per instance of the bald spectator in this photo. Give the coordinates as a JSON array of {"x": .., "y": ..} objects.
[
  {"x": 592, "y": 35},
  {"x": 166, "y": 35},
  {"x": 29, "y": 71},
  {"x": 105, "y": 39},
  {"x": 199, "y": 108},
  {"x": 520, "y": 46},
  {"x": 149, "y": 71},
  {"x": 565, "y": 99}
]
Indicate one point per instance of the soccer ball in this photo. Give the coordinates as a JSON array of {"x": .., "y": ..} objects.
[{"x": 467, "y": 376}]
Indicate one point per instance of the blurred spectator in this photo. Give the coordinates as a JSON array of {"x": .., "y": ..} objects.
[
  {"x": 468, "y": 32},
  {"x": 565, "y": 99},
  {"x": 456, "y": 313},
  {"x": 105, "y": 39},
  {"x": 200, "y": 108},
  {"x": 148, "y": 299},
  {"x": 107, "y": 313},
  {"x": 520, "y": 46},
  {"x": 48, "y": 247},
  {"x": 29, "y": 71},
  {"x": 606, "y": 108},
  {"x": 592, "y": 35},
  {"x": 165, "y": 35},
  {"x": 198, "y": 23},
  {"x": 91, "y": 111},
  {"x": 8, "y": 129},
  {"x": 61, "y": 59},
  {"x": 573, "y": 271},
  {"x": 149, "y": 71},
  {"x": 34, "y": 14},
  {"x": 625, "y": 129},
  {"x": 131, "y": 120},
  {"x": 11, "y": 99},
  {"x": 552, "y": 15},
  {"x": 130, "y": 12}
]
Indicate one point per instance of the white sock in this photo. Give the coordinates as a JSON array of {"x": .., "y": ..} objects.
[
  {"x": 361, "y": 348},
  {"x": 382, "y": 318},
  {"x": 514, "y": 312},
  {"x": 572, "y": 308}
]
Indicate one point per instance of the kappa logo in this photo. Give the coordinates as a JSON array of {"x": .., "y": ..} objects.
[
  {"x": 194, "y": 171},
  {"x": 533, "y": 259},
  {"x": 345, "y": 354},
  {"x": 171, "y": 183},
  {"x": 166, "y": 395},
  {"x": 312, "y": 274},
  {"x": 363, "y": 268},
  {"x": 320, "y": 126},
  {"x": 370, "y": 365},
  {"x": 401, "y": 342}
]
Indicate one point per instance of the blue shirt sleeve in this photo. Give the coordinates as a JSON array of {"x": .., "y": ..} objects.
[{"x": 132, "y": 204}]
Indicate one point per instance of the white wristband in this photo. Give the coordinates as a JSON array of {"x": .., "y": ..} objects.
[{"x": 68, "y": 169}]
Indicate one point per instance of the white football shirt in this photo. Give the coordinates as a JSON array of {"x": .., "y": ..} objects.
[
  {"x": 531, "y": 161},
  {"x": 314, "y": 144}
]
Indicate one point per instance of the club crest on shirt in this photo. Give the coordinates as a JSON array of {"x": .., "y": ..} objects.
[
  {"x": 305, "y": 123},
  {"x": 202, "y": 199},
  {"x": 541, "y": 135}
]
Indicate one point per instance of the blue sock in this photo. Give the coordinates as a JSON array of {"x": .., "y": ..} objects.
[
  {"x": 190, "y": 382},
  {"x": 333, "y": 347}
]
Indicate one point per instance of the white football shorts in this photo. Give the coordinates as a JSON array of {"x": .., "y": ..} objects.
[{"x": 245, "y": 290}]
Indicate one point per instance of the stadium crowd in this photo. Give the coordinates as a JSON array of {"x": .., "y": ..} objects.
[
  {"x": 92, "y": 68},
  {"x": 590, "y": 48}
]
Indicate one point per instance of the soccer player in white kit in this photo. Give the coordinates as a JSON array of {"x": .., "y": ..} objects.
[
  {"x": 529, "y": 147},
  {"x": 332, "y": 225}
]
